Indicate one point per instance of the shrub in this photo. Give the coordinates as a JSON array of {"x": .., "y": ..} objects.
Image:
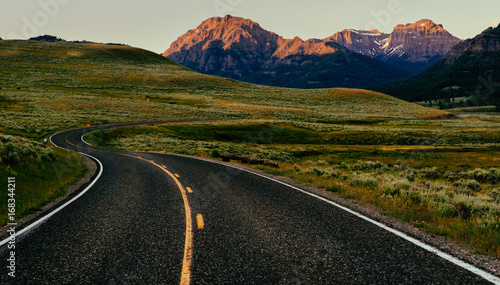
[
  {"x": 431, "y": 173},
  {"x": 330, "y": 173},
  {"x": 365, "y": 180},
  {"x": 479, "y": 174},
  {"x": 463, "y": 208},
  {"x": 322, "y": 163},
  {"x": 215, "y": 153},
  {"x": 391, "y": 191},
  {"x": 413, "y": 195},
  {"x": 444, "y": 209},
  {"x": 369, "y": 165},
  {"x": 453, "y": 176},
  {"x": 394, "y": 187},
  {"x": 473, "y": 185},
  {"x": 337, "y": 188},
  {"x": 494, "y": 175},
  {"x": 495, "y": 194},
  {"x": 411, "y": 175},
  {"x": 14, "y": 151},
  {"x": 298, "y": 169},
  {"x": 315, "y": 171}
]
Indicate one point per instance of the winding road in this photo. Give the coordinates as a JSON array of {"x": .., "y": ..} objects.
[{"x": 150, "y": 218}]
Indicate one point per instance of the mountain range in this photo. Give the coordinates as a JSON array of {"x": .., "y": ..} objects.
[
  {"x": 240, "y": 49},
  {"x": 413, "y": 47},
  {"x": 471, "y": 68}
]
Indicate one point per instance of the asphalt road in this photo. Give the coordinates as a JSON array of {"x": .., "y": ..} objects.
[{"x": 141, "y": 224}]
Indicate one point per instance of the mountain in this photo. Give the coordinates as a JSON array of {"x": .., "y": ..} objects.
[
  {"x": 367, "y": 43},
  {"x": 412, "y": 47},
  {"x": 417, "y": 46},
  {"x": 472, "y": 68},
  {"x": 240, "y": 49}
]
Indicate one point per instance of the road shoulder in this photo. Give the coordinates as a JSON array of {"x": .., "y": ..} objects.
[
  {"x": 71, "y": 191},
  {"x": 486, "y": 263}
]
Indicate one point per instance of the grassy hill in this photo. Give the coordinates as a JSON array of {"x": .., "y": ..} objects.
[
  {"x": 317, "y": 135},
  {"x": 51, "y": 86},
  {"x": 47, "y": 87}
]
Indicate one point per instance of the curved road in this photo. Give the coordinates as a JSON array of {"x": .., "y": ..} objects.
[{"x": 167, "y": 219}]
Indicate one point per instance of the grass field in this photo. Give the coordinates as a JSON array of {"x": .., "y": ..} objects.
[
  {"x": 42, "y": 174},
  {"x": 413, "y": 163}
]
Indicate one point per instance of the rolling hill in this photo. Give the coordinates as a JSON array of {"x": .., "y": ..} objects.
[{"x": 51, "y": 86}]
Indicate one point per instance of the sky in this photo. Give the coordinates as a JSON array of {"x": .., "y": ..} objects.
[{"x": 155, "y": 24}]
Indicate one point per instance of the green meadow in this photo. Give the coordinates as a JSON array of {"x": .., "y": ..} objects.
[{"x": 434, "y": 169}]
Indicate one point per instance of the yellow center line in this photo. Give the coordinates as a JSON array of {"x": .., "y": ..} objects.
[
  {"x": 189, "y": 189},
  {"x": 199, "y": 219},
  {"x": 188, "y": 243},
  {"x": 177, "y": 175}
]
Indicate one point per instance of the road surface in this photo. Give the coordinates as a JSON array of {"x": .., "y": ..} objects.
[{"x": 168, "y": 219}]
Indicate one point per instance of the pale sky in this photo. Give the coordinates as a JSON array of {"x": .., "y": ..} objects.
[{"x": 155, "y": 24}]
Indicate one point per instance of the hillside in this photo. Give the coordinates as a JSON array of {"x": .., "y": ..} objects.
[
  {"x": 471, "y": 69},
  {"x": 50, "y": 86},
  {"x": 240, "y": 49}
]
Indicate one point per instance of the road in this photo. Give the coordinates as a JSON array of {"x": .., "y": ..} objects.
[{"x": 168, "y": 219}]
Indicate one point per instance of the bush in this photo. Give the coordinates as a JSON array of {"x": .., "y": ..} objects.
[
  {"x": 315, "y": 171},
  {"x": 411, "y": 175},
  {"x": 431, "y": 173},
  {"x": 215, "y": 153},
  {"x": 495, "y": 194},
  {"x": 330, "y": 173},
  {"x": 494, "y": 175},
  {"x": 322, "y": 163},
  {"x": 473, "y": 185},
  {"x": 14, "y": 151},
  {"x": 369, "y": 165},
  {"x": 480, "y": 175},
  {"x": 453, "y": 176},
  {"x": 464, "y": 209},
  {"x": 298, "y": 169},
  {"x": 444, "y": 209},
  {"x": 337, "y": 188},
  {"x": 365, "y": 180},
  {"x": 391, "y": 191}
]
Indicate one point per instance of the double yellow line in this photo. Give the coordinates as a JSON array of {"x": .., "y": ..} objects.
[{"x": 188, "y": 243}]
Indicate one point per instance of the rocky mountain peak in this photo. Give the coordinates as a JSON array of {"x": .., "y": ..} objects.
[
  {"x": 416, "y": 46},
  {"x": 483, "y": 44},
  {"x": 424, "y": 25},
  {"x": 365, "y": 42}
]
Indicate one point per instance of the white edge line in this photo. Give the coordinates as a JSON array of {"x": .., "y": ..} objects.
[
  {"x": 452, "y": 259},
  {"x": 489, "y": 277},
  {"x": 85, "y": 141},
  {"x": 46, "y": 217}
]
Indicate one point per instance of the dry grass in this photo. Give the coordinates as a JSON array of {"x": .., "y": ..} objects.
[{"x": 46, "y": 87}]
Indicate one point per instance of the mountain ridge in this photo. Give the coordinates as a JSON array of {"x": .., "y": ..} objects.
[
  {"x": 241, "y": 49},
  {"x": 471, "y": 69}
]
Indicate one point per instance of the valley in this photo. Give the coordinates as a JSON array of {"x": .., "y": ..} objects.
[{"x": 375, "y": 149}]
